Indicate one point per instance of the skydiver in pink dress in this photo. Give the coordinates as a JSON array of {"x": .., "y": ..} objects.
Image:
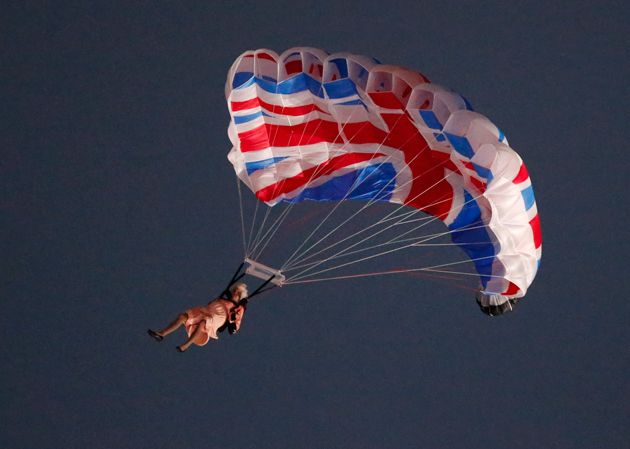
[{"x": 205, "y": 322}]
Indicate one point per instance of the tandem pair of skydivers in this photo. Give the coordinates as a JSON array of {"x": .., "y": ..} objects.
[
  {"x": 223, "y": 313},
  {"x": 205, "y": 322}
]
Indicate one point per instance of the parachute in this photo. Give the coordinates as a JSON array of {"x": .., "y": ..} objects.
[{"x": 306, "y": 125}]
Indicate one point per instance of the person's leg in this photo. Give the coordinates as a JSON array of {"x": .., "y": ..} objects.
[
  {"x": 197, "y": 333},
  {"x": 174, "y": 325}
]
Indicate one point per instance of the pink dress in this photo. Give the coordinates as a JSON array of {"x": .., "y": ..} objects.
[{"x": 211, "y": 317}]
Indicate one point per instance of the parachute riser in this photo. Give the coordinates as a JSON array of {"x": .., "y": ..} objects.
[
  {"x": 235, "y": 278},
  {"x": 255, "y": 269}
]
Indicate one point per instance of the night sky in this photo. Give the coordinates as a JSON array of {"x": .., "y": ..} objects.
[{"x": 119, "y": 209}]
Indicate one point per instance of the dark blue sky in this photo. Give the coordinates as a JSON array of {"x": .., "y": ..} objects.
[{"x": 119, "y": 209}]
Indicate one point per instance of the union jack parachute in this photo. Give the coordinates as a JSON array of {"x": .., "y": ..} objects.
[{"x": 306, "y": 125}]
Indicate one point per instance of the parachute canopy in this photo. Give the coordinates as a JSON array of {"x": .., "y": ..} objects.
[{"x": 306, "y": 125}]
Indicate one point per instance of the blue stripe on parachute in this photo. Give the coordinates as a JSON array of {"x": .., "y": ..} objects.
[
  {"x": 372, "y": 182},
  {"x": 467, "y": 103},
  {"x": 238, "y": 119},
  {"x": 362, "y": 76},
  {"x": 483, "y": 172},
  {"x": 241, "y": 78},
  {"x": 342, "y": 66},
  {"x": 430, "y": 119},
  {"x": 257, "y": 165},
  {"x": 351, "y": 103},
  {"x": 461, "y": 145},
  {"x": 475, "y": 242},
  {"x": 340, "y": 88},
  {"x": 297, "y": 83},
  {"x": 528, "y": 197}
]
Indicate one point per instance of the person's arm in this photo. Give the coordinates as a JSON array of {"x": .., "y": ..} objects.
[
  {"x": 240, "y": 311},
  {"x": 235, "y": 318}
]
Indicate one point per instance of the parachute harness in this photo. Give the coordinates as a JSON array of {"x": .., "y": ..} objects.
[{"x": 257, "y": 270}]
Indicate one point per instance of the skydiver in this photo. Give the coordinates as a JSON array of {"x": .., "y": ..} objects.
[{"x": 205, "y": 322}]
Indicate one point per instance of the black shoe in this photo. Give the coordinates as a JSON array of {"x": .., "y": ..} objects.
[{"x": 154, "y": 335}]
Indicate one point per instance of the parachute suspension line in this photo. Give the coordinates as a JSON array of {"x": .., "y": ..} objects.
[
  {"x": 356, "y": 183},
  {"x": 345, "y": 250},
  {"x": 271, "y": 229},
  {"x": 338, "y": 203},
  {"x": 317, "y": 170},
  {"x": 256, "y": 241},
  {"x": 386, "y": 218},
  {"x": 256, "y": 253},
  {"x": 285, "y": 213},
  {"x": 295, "y": 255},
  {"x": 414, "y": 220},
  {"x": 272, "y": 143},
  {"x": 260, "y": 228},
  {"x": 251, "y": 229},
  {"x": 272, "y": 140},
  {"x": 336, "y": 256},
  {"x": 254, "y": 244},
  {"x": 299, "y": 143},
  {"x": 421, "y": 225},
  {"x": 371, "y": 202},
  {"x": 375, "y": 199},
  {"x": 418, "y": 242},
  {"x": 432, "y": 269},
  {"x": 377, "y": 224},
  {"x": 382, "y": 220},
  {"x": 302, "y": 274},
  {"x": 398, "y": 217},
  {"x": 240, "y": 204},
  {"x": 394, "y": 240},
  {"x": 429, "y": 268}
]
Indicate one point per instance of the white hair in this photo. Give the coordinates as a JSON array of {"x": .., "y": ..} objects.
[{"x": 241, "y": 289}]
